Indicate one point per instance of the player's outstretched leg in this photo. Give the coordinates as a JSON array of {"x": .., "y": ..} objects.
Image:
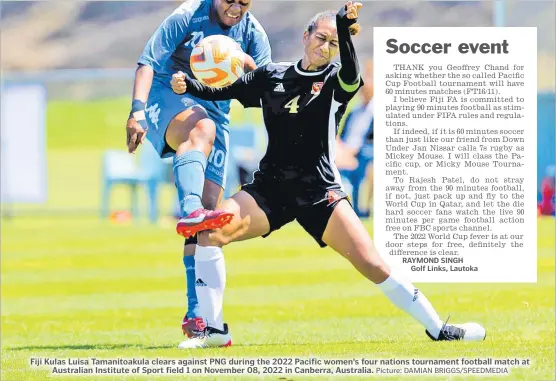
[
  {"x": 191, "y": 134},
  {"x": 346, "y": 234},
  {"x": 249, "y": 222},
  {"x": 193, "y": 324}
]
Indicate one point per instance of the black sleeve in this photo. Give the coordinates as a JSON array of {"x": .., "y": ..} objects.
[
  {"x": 349, "y": 73},
  {"x": 247, "y": 89}
]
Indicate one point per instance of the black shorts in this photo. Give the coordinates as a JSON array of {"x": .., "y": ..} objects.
[{"x": 284, "y": 202}]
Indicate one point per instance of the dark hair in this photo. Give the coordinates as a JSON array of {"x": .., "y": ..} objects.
[{"x": 354, "y": 29}]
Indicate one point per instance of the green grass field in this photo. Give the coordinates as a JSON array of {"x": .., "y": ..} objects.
[{"x": 75, "y": 286}]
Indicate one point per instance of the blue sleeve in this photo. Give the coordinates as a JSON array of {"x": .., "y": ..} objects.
[
  {"x": 259, "y": 45},
  {"x": 164, "y": 42}
]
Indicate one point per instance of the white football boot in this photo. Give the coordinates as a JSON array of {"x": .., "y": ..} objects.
[{"x": 208, "y": 338}]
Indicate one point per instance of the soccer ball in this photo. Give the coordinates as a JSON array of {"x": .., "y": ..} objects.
[{"x": 217, "y": 61}]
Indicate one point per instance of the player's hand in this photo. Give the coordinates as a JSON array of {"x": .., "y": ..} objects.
[
  {"x": 345, "y": 160},
  {"x": 249, "y": 63},
  {"x": 135, "y": 134},
  {"x": 178, "y": 83},
  {"x": 352, "y": 10}
]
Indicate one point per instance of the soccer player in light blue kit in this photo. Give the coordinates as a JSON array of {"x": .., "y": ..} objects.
[
  {"x": 356, "y": 141},
  {"x": 192, "y": 131}
]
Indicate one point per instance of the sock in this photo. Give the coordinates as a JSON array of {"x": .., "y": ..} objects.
[
  {"x": 210, "y": 270},
  {"x": 192, "y": 302},
  {"x": 189, "y": 174},
  {"x": 408, "y": 298}
]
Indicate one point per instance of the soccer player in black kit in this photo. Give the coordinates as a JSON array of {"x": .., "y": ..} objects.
[{"x": 302, "y": 104}]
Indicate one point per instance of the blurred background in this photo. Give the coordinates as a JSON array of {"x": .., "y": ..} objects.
[
  {"x": 92, "y": 266},
  {"x": 83, "y": 55}
]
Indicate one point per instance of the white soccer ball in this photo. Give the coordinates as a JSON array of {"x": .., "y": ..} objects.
[{"x": 217, "y": 61}]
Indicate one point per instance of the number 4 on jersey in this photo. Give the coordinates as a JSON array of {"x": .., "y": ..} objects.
[{"x": 292, "y": 105}]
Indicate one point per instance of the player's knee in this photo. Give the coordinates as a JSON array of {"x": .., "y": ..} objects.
[
  {"x": 204, "y": 133},
  {"x": 200, "y": 138},
  {"x": 219, "y": 240},
  {"x": 227, "y": 234},
  {"x": 361, "y": 248},
  {"x": 191, "y": 130},
  {"x": 213, "y": 239},
  {"x": 230, "y": 232},
  {"x": 365, "y": 250}
]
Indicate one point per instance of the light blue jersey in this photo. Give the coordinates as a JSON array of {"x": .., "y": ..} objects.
[{"x": 168, "y": 51}]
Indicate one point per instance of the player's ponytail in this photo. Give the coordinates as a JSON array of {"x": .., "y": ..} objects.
[{"x": 354, "y": 29}]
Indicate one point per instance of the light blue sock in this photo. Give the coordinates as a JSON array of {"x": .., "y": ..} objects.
[
  {"x": 189, "y": 175},
  {"x": 192, "y": 302}
]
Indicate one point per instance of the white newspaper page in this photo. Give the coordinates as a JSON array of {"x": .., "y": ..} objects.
[{"x": 455, "y": 153}]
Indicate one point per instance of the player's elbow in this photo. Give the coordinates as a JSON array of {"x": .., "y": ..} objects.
[
  {"x": 349, "y": 77},
  {"x": 349, "y": 80}
]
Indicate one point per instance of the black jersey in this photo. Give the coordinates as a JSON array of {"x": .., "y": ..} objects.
[{"x": 302, "y": 111}]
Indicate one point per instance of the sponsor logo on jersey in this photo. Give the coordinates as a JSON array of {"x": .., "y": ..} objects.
[
  {"x": 197, "y": 20},
  {"x": 187, "y": 102}
]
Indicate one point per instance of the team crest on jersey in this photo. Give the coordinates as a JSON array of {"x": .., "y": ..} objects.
[
  {"x": 333, "y": 197},
  {"x": 187, "y": 102},
  {"x": 317, "y": 86}
]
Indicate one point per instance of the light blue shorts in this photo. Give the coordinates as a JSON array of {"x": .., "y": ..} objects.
[{"x": 162, "y": 106}]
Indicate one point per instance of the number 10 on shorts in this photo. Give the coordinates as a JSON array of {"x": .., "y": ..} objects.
[{"x": 216, "y": 157}]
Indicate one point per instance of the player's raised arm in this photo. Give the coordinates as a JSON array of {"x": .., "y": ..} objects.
[
  {"x": 157, "y": 51},
  {"x": 346, "y": 21},
  {"x": 247, "y": 89}
]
